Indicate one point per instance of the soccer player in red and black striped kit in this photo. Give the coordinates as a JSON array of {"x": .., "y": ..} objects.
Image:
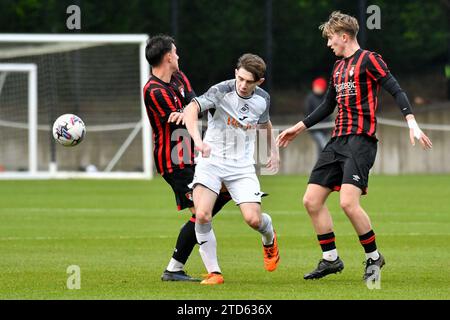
[
  {"x": 168, "y": 91},
  {"x": 345, "y": 161}
]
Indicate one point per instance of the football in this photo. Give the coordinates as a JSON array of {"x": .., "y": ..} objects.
[{"x": 69, "y": 130}]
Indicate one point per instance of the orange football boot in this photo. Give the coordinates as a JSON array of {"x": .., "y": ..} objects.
[
  {"x": 212, "y": 279},
  {"x": 271, "y": 255}
]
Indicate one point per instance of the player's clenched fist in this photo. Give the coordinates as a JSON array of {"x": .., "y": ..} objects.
[{"x": 204, "y": 149}]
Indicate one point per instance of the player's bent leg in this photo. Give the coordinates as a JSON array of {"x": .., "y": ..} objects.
[
  {"x": 204, "y": 200},
  {"x": 314, "y": 202},
  {"x": 186, "y": 242},
  {"x": 251, "y": 212},
  {"x": 262, "y": 223},
  {"x": 350, "y": 203}
]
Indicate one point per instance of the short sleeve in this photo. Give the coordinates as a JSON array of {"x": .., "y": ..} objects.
[
  {"x": 211, "y": 98},
  {"x": 265, "y": 117},
  {"x": 376, "y": 67}
]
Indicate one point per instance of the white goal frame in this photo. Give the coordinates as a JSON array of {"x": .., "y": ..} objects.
[
  {"x": 52, "y": 173},
  {"x": 31, "y": 70}
]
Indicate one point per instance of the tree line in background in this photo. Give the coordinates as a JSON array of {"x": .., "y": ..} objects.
[{"x": 211, "y": 34}]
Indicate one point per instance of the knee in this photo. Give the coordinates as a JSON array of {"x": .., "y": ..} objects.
[
  {"x": 311, "y": 205},
  {"x": 202, "y": 216},
  {"x": 254, "y": 221},
  {"x": 348, "y": 206}
]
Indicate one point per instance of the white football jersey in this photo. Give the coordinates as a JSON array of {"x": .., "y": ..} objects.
[{"x": 232, "y": 122}]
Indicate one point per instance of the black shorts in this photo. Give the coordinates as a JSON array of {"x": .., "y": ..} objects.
[
  {"x": 179, "y": 180},
  {"x": 346, "y": 159}
]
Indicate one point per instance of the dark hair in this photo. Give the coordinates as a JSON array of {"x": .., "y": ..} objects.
[
  {"x": 157, "y": 47},
  {"x": 253, "y": 64}
]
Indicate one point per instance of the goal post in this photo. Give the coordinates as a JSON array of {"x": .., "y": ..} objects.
[
  {"x": 99, "y": 78},
  {"x": 32, "y": 94}
]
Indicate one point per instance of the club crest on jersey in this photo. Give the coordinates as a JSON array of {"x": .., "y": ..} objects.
[
  {"x": 352, "y": 71},
  {"x": 181, "y": 89},
  {"x": 189, "y": 196},
  {"x": 244, "y": 109}
]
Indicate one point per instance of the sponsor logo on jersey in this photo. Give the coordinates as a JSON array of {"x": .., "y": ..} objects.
[
  {"x": 345, "y": 89},
  {"x": 235, "y": 123}
]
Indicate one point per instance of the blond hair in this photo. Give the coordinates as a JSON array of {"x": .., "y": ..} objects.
[{"x": 339, "y": 23}]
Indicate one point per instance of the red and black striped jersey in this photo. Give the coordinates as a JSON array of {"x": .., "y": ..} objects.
[
  {"x": 356, "y": 81},
  {"x": 353, "y": 87},
  {"x": 172, "y": 146}
]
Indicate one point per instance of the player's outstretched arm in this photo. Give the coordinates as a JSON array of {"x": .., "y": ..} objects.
[
  {"x": 290, "y": 134},
  {"x": 415, "y": 132},
  {"x": 391, "y": 85},
  {"x": 321, "y": 112},
  {"x": 191, "y": 121}
]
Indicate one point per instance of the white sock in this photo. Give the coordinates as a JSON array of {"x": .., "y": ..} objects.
[
  {"x": 374, "y": 255},
  {"x": 331, "y": 255},
  {"x": 175, "y": 265},
  {"x": 266, "y": 229},
  {"x": 208, "y": 246}
]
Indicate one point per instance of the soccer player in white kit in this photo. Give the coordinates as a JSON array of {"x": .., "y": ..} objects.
[{"x": 236, "y": 108}]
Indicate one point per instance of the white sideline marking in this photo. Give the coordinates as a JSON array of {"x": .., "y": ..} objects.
[{"x": 81, "y": 238}]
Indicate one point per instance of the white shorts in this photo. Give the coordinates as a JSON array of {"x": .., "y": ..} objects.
[{"x": 241, "y": 182}]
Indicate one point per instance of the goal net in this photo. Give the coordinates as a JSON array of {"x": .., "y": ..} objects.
[{"x": 97, "y": 77}]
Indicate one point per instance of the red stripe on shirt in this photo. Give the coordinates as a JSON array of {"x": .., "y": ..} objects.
[
  {"x": 155, "y": 101},
  {"x": 371, "y": 75},
  {"x": 168, "y": 100},
  {"x": 377, "y": 66},
  {"x": 146, "y": 87},
  {"x": 358, "y": 94},
  {"x": 371, "y": 102},
  {"x": 160, "y": 139},
  {"x": 349, "y": 112},
  {"x": 340, "y": 111},
  {"x": 168, "y": 159}
]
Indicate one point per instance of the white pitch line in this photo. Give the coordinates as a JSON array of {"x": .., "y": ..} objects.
[{"x": 81, "y": 238}]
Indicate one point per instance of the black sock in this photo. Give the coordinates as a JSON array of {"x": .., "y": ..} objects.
[
  {"x": 368, "y": 241},
  {"x": 222, "y": 200},
  {"x": 327, "y": 241},
  {"x": 186, "y": 238},
  {"x": 186, "y": 241}
]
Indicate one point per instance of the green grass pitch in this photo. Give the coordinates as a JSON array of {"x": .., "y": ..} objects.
[{"x": 121, "y": 235}]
